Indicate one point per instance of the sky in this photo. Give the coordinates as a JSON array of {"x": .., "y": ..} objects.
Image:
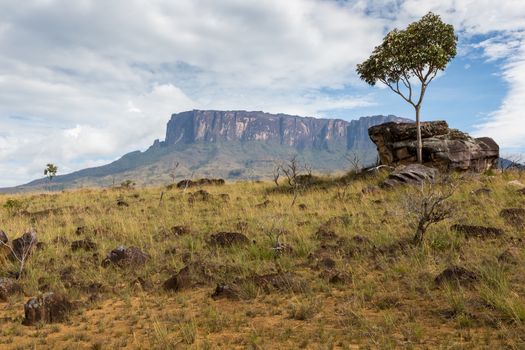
[{"x": 83, "y": 82}]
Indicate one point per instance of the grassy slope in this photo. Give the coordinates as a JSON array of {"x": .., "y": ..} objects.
[
  {"x": 154, "y": 167},
  {"x": 391, "y": 300}
]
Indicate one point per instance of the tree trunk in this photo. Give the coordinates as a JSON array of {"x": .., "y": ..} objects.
[
  {"x": 418, "y": 237},
  {"x": 419, "y": 141}
]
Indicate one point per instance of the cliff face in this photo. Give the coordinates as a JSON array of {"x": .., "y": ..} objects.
[
  {"x": 232, "y": 145},
  {"x": 298, "y": 132}
]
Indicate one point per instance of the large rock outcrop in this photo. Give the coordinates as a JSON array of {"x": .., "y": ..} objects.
[
  {"x": 294, "y": 131},
  {"x": 443, "y": 148}
]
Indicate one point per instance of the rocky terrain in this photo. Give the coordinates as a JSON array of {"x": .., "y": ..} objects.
[
  {"x": 231, "y": 145},
  {"x": 307, "y": 262}
]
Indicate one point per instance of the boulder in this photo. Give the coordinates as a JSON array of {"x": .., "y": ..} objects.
[
  {"x": 415, "y": 174},
  {"x": 84, "y": 244},
  {"x": 24, "y": 245},
  {"x": 47, "y": 308},
  {"x": 471, "y": 231},
  {"x": 200, "y": 182},
  {"x": 8, "y": 287},
  {"x": 513, "y": 216},
  {"x": 443, "y": 148},
  {"x": 126, "y": 257},
  {"x": 228, "y": 239},
  {"x": 456, "y": 274}
]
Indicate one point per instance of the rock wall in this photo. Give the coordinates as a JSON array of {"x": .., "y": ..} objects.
[
  {"x": 443, "y": 148},
  {"x": 299, "y": 132}
]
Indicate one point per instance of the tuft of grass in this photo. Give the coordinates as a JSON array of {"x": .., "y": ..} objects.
[{"x": 304, "y": 309}]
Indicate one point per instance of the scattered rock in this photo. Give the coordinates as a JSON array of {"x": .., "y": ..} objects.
[
  {"x": 225, "y": 197},
  {"x": 510, "y": 256},
  {"x": 478, "y": 231},
  {"x": 24, "y": 246},
  {"x": 323, "y": 234},
  {"x": 60, "y": 240},
  {"x": 141, "y": 284},
  {"x": 326, "y": 263},
  {"x": 228, "y": 239},
  {"x": 456, "y": 274},
  {"x": 200, "y": 182},
  {"x": 513, "y": 216},
  {"x": 67, "y": 277},
  {"x": 415, "y": 174},
  {"x": 339, "y": 277},
  {"x": 47, "y": 308},
  {"x": 8, "y": 287},
  {"x": 3, "y": 237},
  {"x": 180, "y": 230},
  {"x": 200, "y": 195},
  {"x": 126, "y": 257},
  {"x": 85, "y": 244},
  {"x": 122, "y": 203},
  {"x": 192, "y": 275},
  {"x": 443, "y": 148},
  {"x": 80, "y": 230}
]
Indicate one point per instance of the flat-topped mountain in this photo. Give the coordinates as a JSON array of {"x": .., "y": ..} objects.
[
  {"x": 293, "y": 131},
  {"x": 231, "y": 145}
]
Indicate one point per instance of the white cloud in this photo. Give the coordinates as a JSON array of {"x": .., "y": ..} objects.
[
  {"x": 507, "y": 124},
  {"x": 83, "y": 82},
  {"x": 92, "y": 80}
]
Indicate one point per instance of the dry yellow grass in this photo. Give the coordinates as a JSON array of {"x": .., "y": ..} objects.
[{"x": 388, "y": 300}]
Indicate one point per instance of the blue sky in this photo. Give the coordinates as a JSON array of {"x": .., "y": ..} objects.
[
  {"x": 83, "y": 82},
  {"x": 465, "y": 95}
]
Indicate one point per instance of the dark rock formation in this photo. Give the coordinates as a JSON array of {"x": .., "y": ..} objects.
[
  {"x": 8, "y": 287},
  {"x": 443, "y": 148},
  {"x": 47, "y": 308},
  {"x": 85, "y": 244},
  {"x": 410, "y": 174},
  {"x": 228, "y": 239},
  {"x": 200, "y": 182},
  {"x": 126, "y": 257},
  {"x": 24, "y": 246},
  {"x": 456, "y": 274},
  {"x": 513, "y": 216},
  {"x": 478, "y": 231}
]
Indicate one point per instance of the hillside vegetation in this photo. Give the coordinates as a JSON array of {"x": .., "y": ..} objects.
[{"x": 335, "y": 270}]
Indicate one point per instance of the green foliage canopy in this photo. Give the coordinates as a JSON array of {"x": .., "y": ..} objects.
[{"x": 420, "y": 51}]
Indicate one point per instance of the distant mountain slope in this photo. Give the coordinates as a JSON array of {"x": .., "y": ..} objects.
[{"x": 233, "y": 145}]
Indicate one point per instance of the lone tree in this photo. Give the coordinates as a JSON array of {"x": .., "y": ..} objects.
[
  {"x": 50, "y": 171},
  {"x": 407, "y": 61}
]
